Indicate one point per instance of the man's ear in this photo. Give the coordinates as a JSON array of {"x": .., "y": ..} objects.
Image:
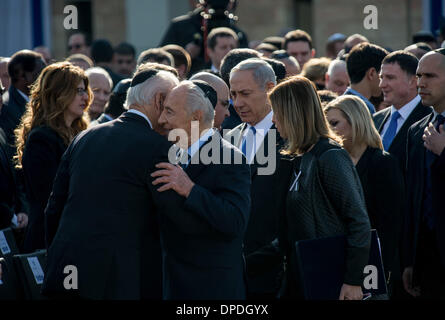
[
  {"x": 371, "y": 73},
  {"x": 197, "y": 115},
  {"x": 313, "y": 52},
  {"x": 159, "y": 102},
  {"x": 269, "y": 86}
]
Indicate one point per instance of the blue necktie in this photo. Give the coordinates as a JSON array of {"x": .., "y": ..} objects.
[
  {"x": 391, "y": 131},
  {"x": 247, "y": 148}
]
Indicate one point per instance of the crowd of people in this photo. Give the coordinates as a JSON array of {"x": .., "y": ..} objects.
[{"x": 104, "y": 162}]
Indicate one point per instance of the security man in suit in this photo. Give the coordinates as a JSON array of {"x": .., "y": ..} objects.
[
  {"x": 424, "y": 255},
  {"x": 205, "y": 202},
  {"x": 260, "y": 142},
  {"x": 101, "y": 216}
]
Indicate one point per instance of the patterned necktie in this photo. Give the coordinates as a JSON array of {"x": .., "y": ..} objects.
[{"x": 390, "y": 133}]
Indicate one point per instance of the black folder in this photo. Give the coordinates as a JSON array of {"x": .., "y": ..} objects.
[
  {"x": 11, "y": 288},
  {"x": 8, "y": 247},
  {"x": 321, "y": 264},
  {"x": 29, "y": 268}
]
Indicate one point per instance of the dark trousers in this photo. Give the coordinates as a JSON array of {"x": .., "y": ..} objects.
[{"x": 429, "y": 273}]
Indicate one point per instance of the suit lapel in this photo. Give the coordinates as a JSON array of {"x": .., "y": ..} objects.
[
  {"x": 385, "y": 118},
  {"x": 195, "y": 167}
]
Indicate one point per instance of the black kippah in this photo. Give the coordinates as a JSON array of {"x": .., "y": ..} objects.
[
  {"x": 440, "y": 50},
  {"x": 144, "y": 75},
  {"x": 209, "y": 92}
]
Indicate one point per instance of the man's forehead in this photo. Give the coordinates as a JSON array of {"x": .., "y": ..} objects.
[
  {"x": 298, "y": 45},
  {"x": 242, "y": 79}
]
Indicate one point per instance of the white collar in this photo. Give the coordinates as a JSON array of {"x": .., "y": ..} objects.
[
  {"x": 263, "y": 126},
  {"x": 142, "y": 115},
  {"x": 198, "y": 143},
  {"x": 406, "y": 110},
  {"x": 23, "y": 95}
]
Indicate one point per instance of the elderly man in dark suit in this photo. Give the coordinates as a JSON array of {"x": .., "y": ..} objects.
[
  {"x": 101, "y": 217},
  {"x": 205, "y": 206},
  {"x": 257, "y": 137},
  {"x": 424, "y": 255}
]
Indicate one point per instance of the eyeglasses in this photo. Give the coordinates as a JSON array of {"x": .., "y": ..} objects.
[{"x": 81, "y": 91}]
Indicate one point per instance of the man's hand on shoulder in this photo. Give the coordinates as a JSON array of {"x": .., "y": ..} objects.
[{"x": 173, "y": 177}]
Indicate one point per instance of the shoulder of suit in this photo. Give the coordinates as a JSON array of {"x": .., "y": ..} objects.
[
  {"x": 235, "y": 130},
  {"x": 381, "y": 113}
]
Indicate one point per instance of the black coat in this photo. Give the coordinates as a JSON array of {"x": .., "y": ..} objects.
[
  {"x": 41, "y": 157},
  {"x": 101, "y": 215},
  {"x": 7, "y": 185},
  {"x": 384, "y": 189},
  {"x": 14, "y": 106},
  {"x": 328, "y": 183},
  {"x": 398, "y": 145},
  {"x": 202, "y": 236},
  {"x": 415, "y": 179},
  {"x": 262, "y": 228}
]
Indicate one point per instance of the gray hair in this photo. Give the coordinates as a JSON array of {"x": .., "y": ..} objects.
[
  {"x": 336, "y": 64},
  {"x": 197, "y": 100},
  {"x": 143, "y": 93},
  {"x": 262, "y": 71},
  {"x": 102, "y": 71}
]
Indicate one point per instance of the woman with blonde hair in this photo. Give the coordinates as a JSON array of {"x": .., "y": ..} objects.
[
  {"x": 380, "y": 173},
  {"x": 323, "y": 196},
  {"x": 55, "y": 114}
]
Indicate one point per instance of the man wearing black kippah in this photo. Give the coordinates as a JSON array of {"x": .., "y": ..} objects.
[
  {"x": 424, "y": 254},
  {"x": 108, "y": 230}
]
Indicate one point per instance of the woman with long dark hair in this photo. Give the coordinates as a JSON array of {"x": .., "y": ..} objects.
[{"x": 55, "y": 115}]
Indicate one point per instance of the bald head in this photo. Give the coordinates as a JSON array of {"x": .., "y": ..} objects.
[
  {"x": 431, "y": 79},
  {"x": 337, "y": 79},
  {"x": 222, "y": 92}
]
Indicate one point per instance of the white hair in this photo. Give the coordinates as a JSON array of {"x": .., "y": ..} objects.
[
  {"x": 197, "y": 100},
  {"x": 102, "y": 71},
  {"x": 143, "y": 93},
  {"x": 334, "y": 65},
  {"x": 262, "y": 71}
]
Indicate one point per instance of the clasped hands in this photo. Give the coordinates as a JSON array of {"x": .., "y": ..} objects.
[
  {"x": 433, "y": 140},
  {"x": 173, "y": 177}
]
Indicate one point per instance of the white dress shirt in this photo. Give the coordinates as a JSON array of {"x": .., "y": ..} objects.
[
  {"x": 404, "y": 112},
  {"x": 262, "y": 128}
]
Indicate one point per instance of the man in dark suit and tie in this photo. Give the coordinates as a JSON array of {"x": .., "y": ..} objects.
[
  {"x": 204, "y": 204},
  {"x": 399, "y": 86},
  {"x": 23, "y": 68},
  {"x": 100, "y": 216},
  {"x": 257, "y": 137},
  {"x": 424, "y": 254}
]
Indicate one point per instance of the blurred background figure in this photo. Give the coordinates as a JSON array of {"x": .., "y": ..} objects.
[
  {"x": 298, "y": 43},
  {"x": 222, "y": 92},
  {"x": 219, "y": 43},
  {"x": 115, "y": 106},
  {"x": 266, "y": 49},
  {"x": 4, "y": 76},
  {"x": 315, "y": 70},
  {"x": 419, "y": 49},
  {"x": 157, "y": 55},
  {"x": 102, "y": 53},
  {"x": 124, "y": 59},
  {"x": 54, "y": 116},
  {"x": 337, "y": 79},
  {"x": 101, "y": 85},
  {"x": 334, "y": 45},
  {"x": 190, "y": 31},
  {"x": 380, "y": 174},
  {"x": 427, "y": 37},
  {"x": 183, "y": 62},
  {"x": 45, "y": 52},
  {"x": 326, "y": 96},
  {"x": 291, "y": 64},
  {"x": 354, "y": 40},
  {"x": 79, "y": 43},
  {"x": 80, "y": 60}
]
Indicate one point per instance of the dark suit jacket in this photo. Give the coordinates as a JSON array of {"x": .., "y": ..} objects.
[
  {"x": 415, "y": 178},
  {"x": 7, "y": 185},
  {"x": 202, "y": 235},
  {"x": 398, "y": 145},
  {"x": 330, "y": 202},
  {"x": 41, "y": 157},
  {"x": 384, "y": 189},
  {"x": 103, "y": 198},
  {"x": 14, "y": 106},
  {"x": 263, "y": 222}
]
